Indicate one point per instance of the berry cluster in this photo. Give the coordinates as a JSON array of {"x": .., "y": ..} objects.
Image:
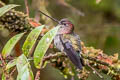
[{"x": 15, "y": 21}]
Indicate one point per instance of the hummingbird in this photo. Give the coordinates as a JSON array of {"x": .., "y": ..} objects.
[{"x": 68, "y": 42}]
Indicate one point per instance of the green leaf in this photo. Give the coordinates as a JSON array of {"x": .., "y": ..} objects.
[
  {"x": 24, "y": 69},
  {"x": 10, "y": 45},
  {"x": 3, "y": 77},
  {"x": 31, "y": 39},
  {"x": 24, "y": 73},
  {"x": 6, "y": 8},
  {"x": 45, "y": 63},
  {"x": 21, "y": 61},
  {"x": 43, "y": 45},
  {"x": 11, "y": 64}
]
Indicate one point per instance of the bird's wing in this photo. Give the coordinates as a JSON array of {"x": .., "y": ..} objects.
[
  {"x": 77, "y": 46},
  {"x": 74, "y": 40},
  {"x": 71, "y": 53},
  {"x": 78, "y": 41}
]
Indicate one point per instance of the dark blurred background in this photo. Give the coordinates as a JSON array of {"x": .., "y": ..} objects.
[{"x": 96, "y": 21}]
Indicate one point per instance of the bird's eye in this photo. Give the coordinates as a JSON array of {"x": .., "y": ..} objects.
[{"x": 65, "y": 24}]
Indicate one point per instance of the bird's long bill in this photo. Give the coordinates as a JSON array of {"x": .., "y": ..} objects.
[{"x": 72, "y": 54}]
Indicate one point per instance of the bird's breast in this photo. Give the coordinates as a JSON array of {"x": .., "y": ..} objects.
[{"x": 58, "y": 43}]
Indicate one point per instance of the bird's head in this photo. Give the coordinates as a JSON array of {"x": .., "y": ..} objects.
[{"x": 66, "y": 26}]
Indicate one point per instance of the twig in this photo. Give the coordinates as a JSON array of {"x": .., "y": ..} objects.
[
  {"x": 95, "y": 71},
  {"x": 60, "y": 54},
  {"x": 13, "y": 71},
  {"x": 52, "y": 56},
  {"x": 2, "y": 60},
  {"x": 37, "y": 77},
  {"x": 7, "y": 58},
  {"x": 3, "y": 67},
  {"x": 96, "y": 60},
  {"x": 27, "y": 8}
]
